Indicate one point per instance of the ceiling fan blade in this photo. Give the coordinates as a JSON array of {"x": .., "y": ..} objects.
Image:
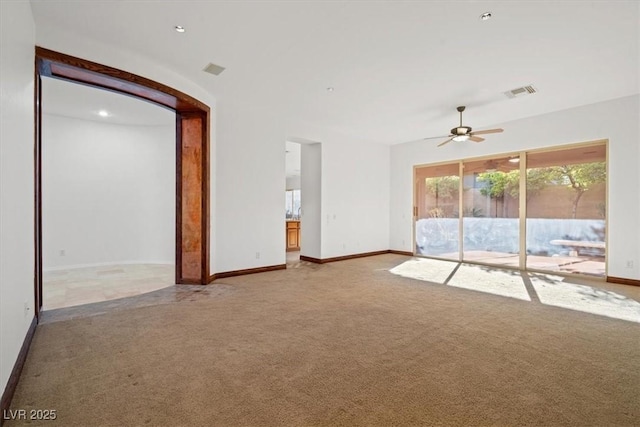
[
  {"x": 435, "y": 137},
  {"x": 476, "y": 139},
  {"x": 446, "y": 142},
  {"x": 484, "y": 132}
]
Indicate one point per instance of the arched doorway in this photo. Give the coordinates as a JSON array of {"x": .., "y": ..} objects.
[{"x": 192, "y": 156}]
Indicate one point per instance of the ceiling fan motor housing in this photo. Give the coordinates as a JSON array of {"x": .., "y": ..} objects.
[{"x": 461, "y": 130}]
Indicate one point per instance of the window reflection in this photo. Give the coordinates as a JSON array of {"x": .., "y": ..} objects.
[{"x": 292, "y": 205}]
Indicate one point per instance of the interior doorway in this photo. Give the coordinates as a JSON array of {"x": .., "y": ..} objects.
[
  {"x": 192, "y": 220},
  {"x": 309, "y": 178},
  {"x": 108, "y": 195},
  {"x": 293, "y": 201}
]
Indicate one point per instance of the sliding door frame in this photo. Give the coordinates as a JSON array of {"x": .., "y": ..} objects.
[{"x": 522, "y": 204}]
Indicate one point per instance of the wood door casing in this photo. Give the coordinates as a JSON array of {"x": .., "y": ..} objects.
[{"x": 189, "y": 260}]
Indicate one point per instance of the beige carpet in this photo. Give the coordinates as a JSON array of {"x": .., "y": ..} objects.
[{"x": 346, "y": 343}]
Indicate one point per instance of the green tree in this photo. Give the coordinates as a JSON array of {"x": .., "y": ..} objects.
[
  {"x": 499, "y": 184},
  {"x": 580, "y": 178},
  {"x": 443, "y": 188},
  {"x": 539, "y": 178}
]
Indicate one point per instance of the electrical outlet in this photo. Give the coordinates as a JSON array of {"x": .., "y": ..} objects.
[
  {"x": 630, "y": 263},
  {"x": 257, "y": 255}
]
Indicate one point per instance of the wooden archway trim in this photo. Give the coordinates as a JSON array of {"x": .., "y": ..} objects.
[
  {"x": 192, "y": 155},
  {"x": 60, "y": 65}
]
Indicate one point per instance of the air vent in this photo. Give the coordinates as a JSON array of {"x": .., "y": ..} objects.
[
  {"x": 520, "y": 91},
  {"x": 213, "y": 69}
]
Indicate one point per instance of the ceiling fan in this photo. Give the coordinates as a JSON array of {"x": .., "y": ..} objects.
[{"x": 464, "y": 133}]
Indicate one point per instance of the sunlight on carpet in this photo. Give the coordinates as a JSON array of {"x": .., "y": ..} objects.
[
  {"x": 553, "y": 291},
  {"x": 506, "y": 283},
  {"x": 548, "y": 289},
  {"x": 431, "y": 270}
]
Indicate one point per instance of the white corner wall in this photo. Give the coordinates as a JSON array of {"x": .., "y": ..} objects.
[
  {"x": 310, "y": 200},
  {"x": 615, "y": 120},
  {"x": 351, "y": 215},
  {"x": 250, "y": 181},
  {"x": 355, "y": 197},
  {"x": 16, "y": 180},
  {"x": 354, "y": 187},
  {"x": 108, "y": 193}
]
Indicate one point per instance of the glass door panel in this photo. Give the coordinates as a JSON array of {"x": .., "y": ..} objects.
[
  {"x": 437, "y": 211},
  {"x": 491, "y": 211},
  {"x": 566, "y": 207}
]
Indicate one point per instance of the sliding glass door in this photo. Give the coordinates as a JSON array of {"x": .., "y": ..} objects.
[
  {"x": 489, "y": 211},
  {"x": 566, "y": 209},
  {"x": 437, "y": 211}
]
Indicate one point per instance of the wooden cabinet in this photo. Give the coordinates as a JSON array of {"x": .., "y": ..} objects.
[{"x": 293, "y": 236}]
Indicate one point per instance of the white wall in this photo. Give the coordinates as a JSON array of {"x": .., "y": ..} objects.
[
  {"x": 293, "y": 182},
  {"x": 355, "y": 197},
  {"x": 250, "y": 178},
  {"x": 16, "y": 181},
  {"x": 108, "y": 192},
  {"x": 311, "y": 200},
  {"x": 354, "y": 192},
  {"x": 247, "y": 169},
  {"x": 615, "y": 120}
]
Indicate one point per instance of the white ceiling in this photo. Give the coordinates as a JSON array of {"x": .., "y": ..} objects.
[
  {"x": 399, "y": 68},
  {"x": 292, "y": 159},
  {"x": 63, "y": 98}
]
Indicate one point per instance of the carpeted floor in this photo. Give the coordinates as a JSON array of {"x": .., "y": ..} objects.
[{"x": 346, "y": 343}]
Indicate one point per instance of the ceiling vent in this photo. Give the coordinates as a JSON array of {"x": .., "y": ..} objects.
[
  {"x": 520, "y": 91},
  {"x": 213, "y": 69}
]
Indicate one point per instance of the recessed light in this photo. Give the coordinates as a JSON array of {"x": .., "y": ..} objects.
[
  {"x": 103, "y": 113},
  {"x": 180, "y": 28},
  {"x": 485, "y": 16},
  {"x": 329, "y": 89}
]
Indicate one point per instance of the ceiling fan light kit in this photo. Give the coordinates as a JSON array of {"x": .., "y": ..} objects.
[{"x": 460, "y": 138}]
